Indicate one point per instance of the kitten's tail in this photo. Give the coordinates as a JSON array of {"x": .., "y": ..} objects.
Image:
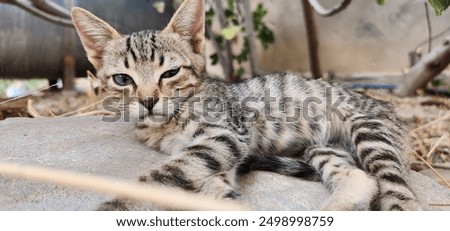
[{"x": 281, "y": 165}]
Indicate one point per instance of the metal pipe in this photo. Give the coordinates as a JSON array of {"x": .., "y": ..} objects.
[
  {"x": 34, "y": 48},
  {"x": 51, "y": 8},
  {"x": 39, "y": 13}
]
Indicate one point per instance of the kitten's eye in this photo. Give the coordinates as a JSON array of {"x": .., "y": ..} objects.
[
  {"x": 123, "y": 80},
  {"x": 170, "y": 73}
]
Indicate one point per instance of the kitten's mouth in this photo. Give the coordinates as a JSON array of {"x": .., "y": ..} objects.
[{"x": 149, "y": 104}]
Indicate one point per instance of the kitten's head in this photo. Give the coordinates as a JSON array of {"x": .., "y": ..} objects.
[{"x": 156, "y": 66}]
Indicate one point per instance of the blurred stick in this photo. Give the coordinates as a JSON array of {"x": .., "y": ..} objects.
[
  {"x": 425, "y": 70},
  {"x": 430, "y": 154},
  {"x": 31, "y": 110},
  {"x": 432, "y": 169},
  {"x": 153, "y": 194}
]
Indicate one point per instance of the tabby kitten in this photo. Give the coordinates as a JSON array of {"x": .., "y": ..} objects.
[{"x": 215, "y": 131}]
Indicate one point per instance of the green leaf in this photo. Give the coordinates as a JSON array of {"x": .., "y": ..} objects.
[
  {"x": 436, "y": 83},
  {"x": 231, "y": 32},
  {"x": 240, "y": 72},
  {"x": 229, "y": 14},
  {"x": 219, "y": 40},
  {"x": 243, "y": 56},
  {"x": 230, "y": 4},
  {"x": 258, "y": 15},
  {"x": 214, "y": 59},
  {"x": 381, "y": 2},
  {"x": 210, "y": 14},
  {"x": 265, "y": 35},
  {"x": 439, "y": 5}
]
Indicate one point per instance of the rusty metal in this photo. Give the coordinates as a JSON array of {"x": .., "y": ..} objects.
[{"x": 69, "y": 63}]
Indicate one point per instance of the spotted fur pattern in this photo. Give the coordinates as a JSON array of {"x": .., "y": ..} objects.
[{"x": 215, "y": 131}]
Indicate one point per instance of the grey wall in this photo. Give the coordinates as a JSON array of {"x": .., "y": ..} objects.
[{"x": 363, "y": 38}]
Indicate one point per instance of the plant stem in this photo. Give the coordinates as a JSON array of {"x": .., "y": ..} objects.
[
  {"x": 228, "y": 52},
  {"x": 313, "y": 43},
  {"x": 249, "y": 27}
]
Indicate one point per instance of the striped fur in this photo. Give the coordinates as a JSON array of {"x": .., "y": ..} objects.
[{"x": 215, "y": 131}]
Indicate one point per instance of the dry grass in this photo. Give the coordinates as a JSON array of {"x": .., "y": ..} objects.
[{"x": 63, "y": 104}]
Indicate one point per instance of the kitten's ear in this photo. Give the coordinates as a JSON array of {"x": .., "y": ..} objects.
[
  {"x": 94, "y": 34},
  {"x": 189, "y": 21}
]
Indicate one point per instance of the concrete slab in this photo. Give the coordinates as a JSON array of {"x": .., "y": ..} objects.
[{"x": 89, "y": 146}]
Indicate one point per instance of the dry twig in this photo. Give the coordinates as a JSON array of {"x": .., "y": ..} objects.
[
  {"x": 435, "y": 146},
  {"x": 425, "y": 70},
  {"x": 432, "y": 123},
  {"x": 178, "y": 199},
  {"x": 434, "y": 170},
  {"x": 31, "y": 110}
]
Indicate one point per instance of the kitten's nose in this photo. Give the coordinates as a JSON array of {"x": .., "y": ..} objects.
[
  {"x": 148, "y": 96},
  {"x": 149, "y": 102}
]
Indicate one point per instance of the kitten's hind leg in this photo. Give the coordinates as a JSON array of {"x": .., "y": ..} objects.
[
  {"x": 379, "y": 147},
  {"x": 352, "y": 188}
]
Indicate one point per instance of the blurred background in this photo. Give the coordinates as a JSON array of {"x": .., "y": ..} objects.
[
  {"x": 365, "y": 42},
  {"x": 365, "y": 39}
]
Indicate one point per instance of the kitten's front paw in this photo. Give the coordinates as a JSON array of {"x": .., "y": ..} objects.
[{"x": 219, "y": 187}]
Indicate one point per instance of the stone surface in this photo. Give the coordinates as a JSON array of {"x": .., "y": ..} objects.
[{"x": 89, "y": 146}]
